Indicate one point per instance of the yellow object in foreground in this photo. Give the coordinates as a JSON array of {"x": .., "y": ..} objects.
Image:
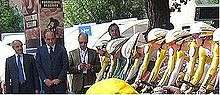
[{"x": 111, "y": 86}]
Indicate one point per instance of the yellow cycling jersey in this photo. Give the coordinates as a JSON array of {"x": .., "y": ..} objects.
[
  {"x": 200, "y": 70},
  {"x": 146, "y": 61},
  {"x": 212, "y": 71},
  {"x": 178, "y": 65},
  {"x": 170, "y": 67},
  {"x": 193, "y": 54},
  {"x": 133, "y": 69},
  {"x": 160, "y": 58},
  {"x": 105, "y": 60},
  {"x": 215, "y": 60}
]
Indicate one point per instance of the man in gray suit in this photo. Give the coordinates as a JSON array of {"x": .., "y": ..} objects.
[
  {"x": 84, "y": 64},
  {"x": 21, "y": 76}
]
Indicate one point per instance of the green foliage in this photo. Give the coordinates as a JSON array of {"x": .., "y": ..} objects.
[
  {"x": 11, "y": 19},
  {"x": 207, "y": 2},
  {"x": 99, "y": 11}
]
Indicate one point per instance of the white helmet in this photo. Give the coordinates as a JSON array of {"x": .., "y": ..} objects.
[
  {"x": 156, "y": 34},
  {"x": 202, "y": 28},
  {"x": 129, "y": 45},
  {"x": 177, "y": 35},
  {"x": 115, "y": 45},
  {"x": 216, "y": 35},
  {"x": 101, "y": 43}
]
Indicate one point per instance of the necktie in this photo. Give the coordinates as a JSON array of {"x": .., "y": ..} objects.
[
  {"x": 51, "y": 49},
  {"x": 51, "y": 52},
  {"x": 20, "y": 70}
]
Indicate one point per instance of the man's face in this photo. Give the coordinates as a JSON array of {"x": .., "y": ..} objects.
[
  {"x": 174, "y": 45},
  {"x": 207, "y": 41},
  {"x": 102, "y": 50},
  {"x": 165, "y": 46},
  {"x": 18, "y": 47},
  {"x": 198, "y": 40},
  {"x": 185, "y": 46},
  {"x": 138, "y": 53},
  {"x": 50, "y": 38},
  {"x": 156, "y": 45},
  {"x": 83, "y": 42},
  {"x": 114, "y": 32}
]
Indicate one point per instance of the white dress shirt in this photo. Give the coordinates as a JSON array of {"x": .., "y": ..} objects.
[
  {"x": 48, "y": 48},
  {"x": 83, "y": 58}
]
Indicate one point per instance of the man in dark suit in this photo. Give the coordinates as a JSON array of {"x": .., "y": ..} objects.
[
  {"x": 21, "y": 74},
  {"x": 52, "y": 64},
  {"x": 84, "y": 64}
]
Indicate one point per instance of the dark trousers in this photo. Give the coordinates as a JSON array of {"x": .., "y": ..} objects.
[
  {"x": 25, "y": 89},
  {"x": 82, "y": 91},
  {"x": 61, "y": 88}
]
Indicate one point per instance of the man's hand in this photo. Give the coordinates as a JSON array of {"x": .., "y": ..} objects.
[
  {"x": 89, "y": 66},
  {"x": 82, "y": 66},
  {"x": 116, "y": 55},
  {"x": 37, "y": 92},
  {"x": 48, "y": 82},
  {"x": 56, "y": 81},
  {"x": 109, "y": 75},
  {"x": 172, "y": 89},
  {"x": 201, "y": 90}
]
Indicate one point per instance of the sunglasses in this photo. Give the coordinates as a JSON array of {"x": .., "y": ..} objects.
[
  {"x": 83, "y": 42},
  {"x": 101, "y": 47},
  {"x": 206, "y": 37},
  {"x": 196, "y": 35},
  {"x": 218, "y": 42}
]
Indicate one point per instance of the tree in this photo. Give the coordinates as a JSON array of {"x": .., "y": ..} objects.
[
  {"x": 11, "y": 19},
  {"x": 85, "y": 11},
  {"x": 158, "y": 13},
  {"x": 100, "y": 11},
  {"x": 206, "y": 2}
]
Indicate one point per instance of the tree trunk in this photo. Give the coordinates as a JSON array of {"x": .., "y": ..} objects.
[
  {"x": 158, "y": 13},
  {"x": 0, "y": 36}
]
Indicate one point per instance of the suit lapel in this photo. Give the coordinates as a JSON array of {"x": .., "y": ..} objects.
[
  {"x": 15, "y": 66},
  {"x": 56, "y": 50},
  {"x": 78, "y": 56},
  {"x": 25, "y": 64},
  {"x": 89, "y": 55},
  {"x": 46, "y": 52},
  {"x": 15, "y": 63}
]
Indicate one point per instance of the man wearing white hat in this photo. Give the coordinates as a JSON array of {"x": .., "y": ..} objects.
[
  {"x": 178, "y": 45},
  {"x": 172, "y": 53},
  {"x": 155, "y": 39},
  {"x": 204, "y": 32},
  {"x": 105, "y": 59},
  {"x": 127, "y": 51},
  {"x": 216, "y": 38},
  {"x": 182, "y": 38},
  {"x": 113, "y": 48},
  {"x": 208, "y": 83}
]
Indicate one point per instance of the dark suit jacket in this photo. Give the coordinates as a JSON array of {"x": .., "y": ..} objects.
[
  {"x": 90, "y": 77},
  {"x": 12, "y": 76},
  {"x": 55, "y": 68}
]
